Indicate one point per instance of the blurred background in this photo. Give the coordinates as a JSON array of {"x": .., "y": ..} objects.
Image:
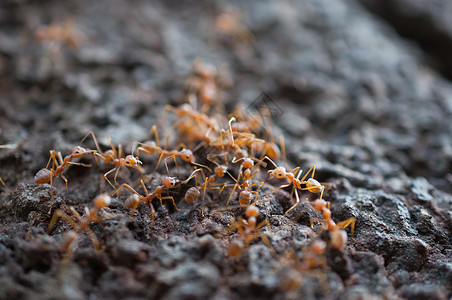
[{"x": 363, "y": 83}]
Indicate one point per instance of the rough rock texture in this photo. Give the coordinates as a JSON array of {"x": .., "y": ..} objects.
[{"x": 354, "y": 98}]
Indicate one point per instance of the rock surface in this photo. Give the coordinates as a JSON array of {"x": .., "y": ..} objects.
[{"x": 350, "y": 95}]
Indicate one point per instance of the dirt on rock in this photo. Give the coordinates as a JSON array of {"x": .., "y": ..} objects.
[{"x": 347, "y": 91}]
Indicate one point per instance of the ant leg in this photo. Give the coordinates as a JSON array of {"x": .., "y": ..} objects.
[
  {"x": 95, "y": 140},
  {"x": 225, "y": 185},
  {"x": 230, "y": 130},
  {"x": 299, "y": 174},
  {"x": 3, "y": 183},
  {"x": 127, "y": 186},
  {"x": 115, "y": 152},
  {"x": 175, "y": 163},
  {"x": 193, "y": 174},
  {"x": 80, "y": 164},
  {"x": 108, "y": 173},
  {"x": 116, "y": 174},
  {"x": 232, "y": 193},
  {"x": 170, "y": 132},
  {"x": 76, "y": 214},
  {"x": 349, "y": 222},
  {"x": 57, "y": 215},
  {"x": 50, "y": 159},
  {"x": 280, "y": 187},
  {"x": 100, "y": 156},
  {"x": 204, "y": 188},
  {"x": 269, "y": 159},
  {"x": 65, "y": 180},
  {"x": 261, "y": 183},
  {"x": 53, "y": 156},
  {"x": 171, "y": 198},
  {"x": 158, "y": 162},
  {"x": 93, "y": 238},
  {"x": 282, "y": 143},
  {"x": 153, "y": 130},
  {"x": 51, "y": 192},
  {"x": 257, "y": 194},
  {"x": 293, "y": 206},
  {"x": 60, "y": 158},
  {"x": 152, "y": 213},
  {"x": 294, "y": 171},
  {"x": 120, "y": 151},
  {"x": 312, "y": 175}
]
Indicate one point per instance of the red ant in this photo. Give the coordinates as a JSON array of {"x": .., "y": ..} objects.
[
  {"x": 4, "y": 185},
  {"x": 313, "y": 257},
  {"x": 311, "y": 185},
  {"x": 82, "y": 223},
  {"x": 186, "y": 111},
  {"x": 193, "y": 193},
  {"x": 247, "y": 231},
  {"x": 246, "y": 174},
  {"x": 61, "y": 34},
  {"x": 45, "y": 175},
  {"x": 134, "y": 200},
  {"x": 205, "y": 84},
  {"x": 229, "y": 23},
  {"x": 151, "y": 147},
  {"x": 115, "y": 158},
  {"x": 338, "y": 237}
]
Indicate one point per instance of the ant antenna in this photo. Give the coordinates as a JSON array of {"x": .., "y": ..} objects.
[
  {"x": 230, "y": 129},
  {"x": 274, "y": 164}
]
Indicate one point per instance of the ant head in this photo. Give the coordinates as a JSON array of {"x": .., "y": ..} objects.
[
  {"x": 131, "y": 161},
  {"x": 186, "y": 155},
  {"x": 78, "y": 151},
  {"x": 169, "y": 182},
  {"x": 220, "y": 170},
  {"x": 251, "y": 211},
  {"x": 247, "y": 163},
  {"x": 279, "y": 172}
]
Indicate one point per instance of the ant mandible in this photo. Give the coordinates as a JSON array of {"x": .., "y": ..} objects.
[{"x": 134, "y": 200}]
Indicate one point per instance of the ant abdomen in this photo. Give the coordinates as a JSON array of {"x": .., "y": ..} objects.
[
  {"x": 43, "y": 176},
  {"x": 192, "y": 194},
  {"x": 245, "y": 198}
]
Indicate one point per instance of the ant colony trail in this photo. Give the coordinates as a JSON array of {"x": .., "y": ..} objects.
[{"x": 226, "y": 160}]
